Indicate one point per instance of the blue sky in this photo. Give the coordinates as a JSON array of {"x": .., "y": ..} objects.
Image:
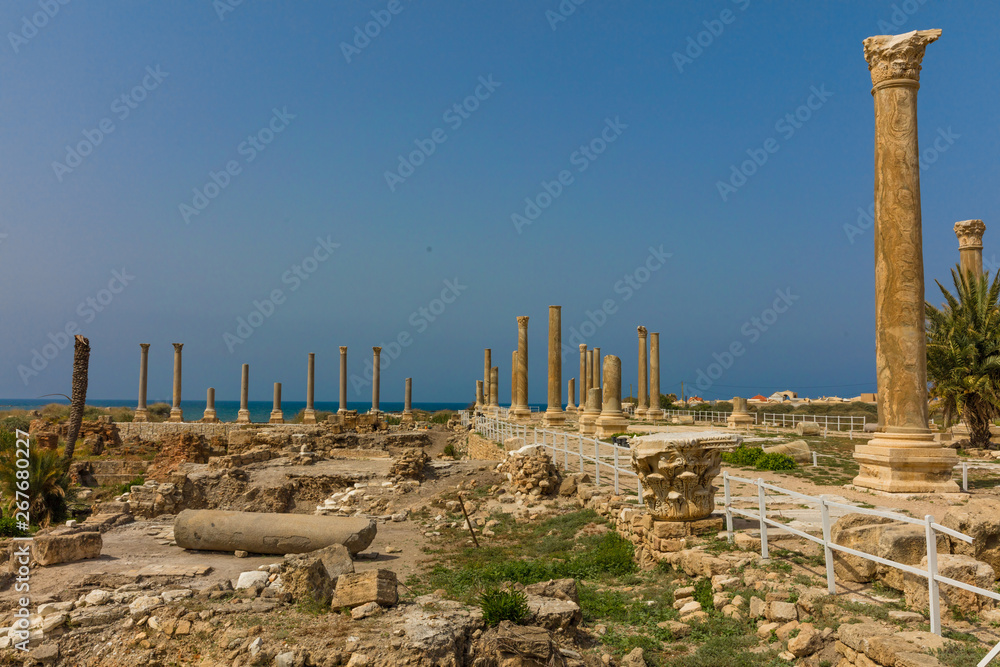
[{"x": 277, "y": 130}]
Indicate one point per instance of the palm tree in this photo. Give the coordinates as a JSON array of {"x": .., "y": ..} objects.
[
  {"x": 81, "y": 362},
  {"x": 45, "y": 485},
  {"x": 963, "y": 352}
]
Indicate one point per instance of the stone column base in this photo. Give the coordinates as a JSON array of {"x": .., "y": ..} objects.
[
  {"x": 176, "y": 415},
  {"x": 140, "y": 415},
  {"x": 210, "y": 417},
  {"x": 641, "y": 413},
  {"x": 608, "y": 425},
  {"x": 906, "y": 463},
  {"x": 570, "y": 410},
  {"x": 277, "y": 417},
  {"x": 493, "y": 411},
  {"x": 553, "y": 418},
  {"x": 587, "y": 420},
  {"x": 407, "y": 418},
  {"x": 308, "y": 416},
  {"x": 521, "y": 414},
  {"x": 243, "y": 417},
  {"x": 737, "y": 420},
  {"x": 653, "y": 415}
]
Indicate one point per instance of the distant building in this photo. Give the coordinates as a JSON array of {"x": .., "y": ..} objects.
[
  {"x": 781, "y": 396},
  {"x": 757, "y": 399}
]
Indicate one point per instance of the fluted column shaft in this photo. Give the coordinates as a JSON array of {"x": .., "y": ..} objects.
[
  {"x": 494, "y": 387},
  {"x": 970, "y": 245},
  {"x": 584, "y": 376},
  {"x": 309, "y": 414}
]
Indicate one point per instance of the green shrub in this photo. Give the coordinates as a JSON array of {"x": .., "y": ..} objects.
[
  {"x": 8, "y": 528},
  {"x": 743, "y": 456},
  {"x": 393, "y": 421},
  {"x": 775, "y": 461},
  {"x": 158, "y": 411},
  {"x": 127, "y": 486},
  {"x": 13, "y": 423},
  {"x": 503, "y": 605},
  {"x": 449, "y": 450}
]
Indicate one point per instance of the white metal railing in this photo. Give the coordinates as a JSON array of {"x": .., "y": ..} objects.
[
  {"x": 589, "y": 454},
  {"x": 831, "y": 422},
  {"x": 931, "y": 528}
]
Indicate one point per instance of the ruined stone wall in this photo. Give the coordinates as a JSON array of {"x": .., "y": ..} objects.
[{"x": 479, "y": 448}]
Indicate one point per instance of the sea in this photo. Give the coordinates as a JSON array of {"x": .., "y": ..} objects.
[{"x": 260, "y": 411}]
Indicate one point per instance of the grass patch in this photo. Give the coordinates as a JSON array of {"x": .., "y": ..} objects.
[
  {"x": 503, "y": 605},
  {"x": 961, "y": 654}
]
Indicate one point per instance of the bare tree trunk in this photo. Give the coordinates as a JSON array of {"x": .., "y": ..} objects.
[{"x": 81, "y": 362}]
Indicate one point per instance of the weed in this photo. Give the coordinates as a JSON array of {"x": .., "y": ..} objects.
[{"x": 503, "y": 605}]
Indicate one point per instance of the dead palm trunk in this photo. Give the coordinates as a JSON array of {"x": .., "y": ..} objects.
[{"x": 81, "y": 362}]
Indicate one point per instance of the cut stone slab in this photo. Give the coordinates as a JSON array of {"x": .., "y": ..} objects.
[
  {"x": 797, "y": 450},
  {"x": 54, "y": 549},
  {"x": 354, "y": 590},
  {"x": 270, "y": 533},
  {"x": 978, "y": 520}
]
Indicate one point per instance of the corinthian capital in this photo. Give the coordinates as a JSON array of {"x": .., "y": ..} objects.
[
  {"x": 897, "y": 56},
  {"x": 970, "y": 233}
]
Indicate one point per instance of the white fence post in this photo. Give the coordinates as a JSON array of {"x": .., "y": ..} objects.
[
  {"x": 932, "y": 572},
  {"x": 729, "y": 513},
  {"x": 597, "y": 462},
  {"x": 831, "y": 583},
  {"x": 814, "y": 459},
  {"x": 965, "y": 475},
  {"x": 579, "y": 441},
  {"x": 566, "y": 451},
  {"x": 763, "y": 512},
  {"x": 616, "y": 469}
]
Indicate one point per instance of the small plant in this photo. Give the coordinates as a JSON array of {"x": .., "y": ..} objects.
[
  {"x": 500, "y": 604},
  {"x": 44, "y": 479},
  {"x": 449, "y": 450},
  {"x": 393, "y": 421},
  {"x": 127, "y": 486},
  {"x": 703, "y": 594},
  {"x": 775, "y": 461},
  {"x": 743, "y": 456}
]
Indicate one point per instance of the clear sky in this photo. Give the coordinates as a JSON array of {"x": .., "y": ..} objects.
[{"x": 176, "y": 163}]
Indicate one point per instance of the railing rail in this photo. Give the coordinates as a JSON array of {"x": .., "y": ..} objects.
[
  {"x": 573, "y": 450},
  {"x": 830, "y": 422},
  {"x": 931, "y": 529}
]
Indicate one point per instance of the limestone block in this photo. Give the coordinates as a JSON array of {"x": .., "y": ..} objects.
[
  {"x": 807, "y": 642},
  {"x": 781, "y": 612},
  {"x": 53, "y": 548},
  {"x": 978, "y": 520},
  {"x": 360, "y": 588},
  {"x": 554, "y": 614},
  {"x": 251, "y": 579},
  {"x": 960, "y": 568},
  {"x": 897, "y": 541}
]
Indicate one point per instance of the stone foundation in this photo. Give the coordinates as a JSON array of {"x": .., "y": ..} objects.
[
  {"x": 481, "y": 449},
  {"x": 654, "y": 539}
]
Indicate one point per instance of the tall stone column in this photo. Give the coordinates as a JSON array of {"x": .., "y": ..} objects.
[
  {"x": 479, "y": 396},
  {"x": 598, "y": 380},
  {"x": 210, "y": 416},
  {"x": 642, "y": 393},
  {"x": 970, "y": 245},
  {"x": 343, "y": 380},
  {"x": 487, "y": 365},
  {"x": 654, "y": 411},
  {"x": 513, "y": 382},
  {"x": 591, "y": 412},
  {"x": 408, "y": 402},
  {"x": 612, "y": 420},
  {"x": 522, "y": 411},
  {"x": 903, "y": 457},
  {"x": 277, "y": 416},
  {"x": 176, "y": 414},
  {"x": 571, "y": 392},
  {"x": 243, "y": 416},
  {"x": 494, "y": 391},
  {"x": 554, "y": 414},
  {"x": 584, "y": 375},
  {"x": 309, "y": 414},
  {"x": 141, "y": 414},
  {"x": 376, "y": 367}
]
